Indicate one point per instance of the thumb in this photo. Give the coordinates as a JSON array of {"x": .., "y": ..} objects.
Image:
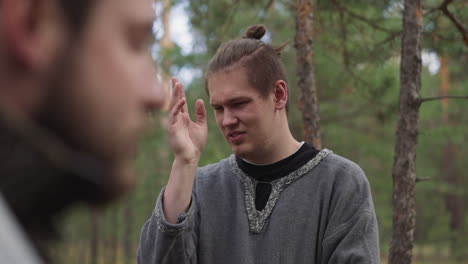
[{"x": 200, "y": 112}]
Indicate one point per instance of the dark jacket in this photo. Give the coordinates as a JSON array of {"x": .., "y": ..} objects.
[{"x": 40, "y": 177}]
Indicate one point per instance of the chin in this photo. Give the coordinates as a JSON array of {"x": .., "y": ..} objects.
[
  {"x": 241, "y": 151},
  {"x": 122, "y": 179}
]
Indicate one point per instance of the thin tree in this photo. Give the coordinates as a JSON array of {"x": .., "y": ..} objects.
[
  {"x": 454, "y": 200},
  {"x": 166, "y": 45},
  {"x": 94, "y": 243},
  {"x": 404, "y": 166},
  {"x": 112, "y": 238},
  {"x": 308, "y": 101},
  {"x": 128, "y": 252}
]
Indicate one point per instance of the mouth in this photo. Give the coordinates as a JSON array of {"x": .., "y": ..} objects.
[{"x": 236, "y": 137}]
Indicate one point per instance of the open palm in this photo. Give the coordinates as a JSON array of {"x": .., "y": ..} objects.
[{"x": 187, "y": 138}]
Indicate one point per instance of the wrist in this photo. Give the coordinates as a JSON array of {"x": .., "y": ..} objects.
[
  {"x": 180, "y": 184},
  {"x": 187, "y": 161}
]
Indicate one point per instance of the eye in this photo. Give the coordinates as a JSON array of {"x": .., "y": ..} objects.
[
  {"x": 217, "y": 108},
  {"x": 140, "y": 39},
  {"x": 240, "y": 103},
  {"x": 140, "y": 43}
]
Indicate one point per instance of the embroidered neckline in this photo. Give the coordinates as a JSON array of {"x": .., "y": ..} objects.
[{"x": 257, "y": 219}]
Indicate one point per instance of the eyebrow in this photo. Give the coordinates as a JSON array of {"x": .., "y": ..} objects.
[
  {"x": 143, "y": 21},
  {"x": 143, "y": 28},
  {"x": 231, "y": 100}
]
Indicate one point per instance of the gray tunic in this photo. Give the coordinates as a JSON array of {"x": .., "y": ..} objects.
[
  {"x": 14, "y": 245},
  {"x": 320, "y": 213}
]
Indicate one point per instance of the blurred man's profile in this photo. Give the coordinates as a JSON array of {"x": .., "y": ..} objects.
[{"x": 76, "y": 83}]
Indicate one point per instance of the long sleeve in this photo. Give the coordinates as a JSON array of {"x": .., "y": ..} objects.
[
  {"x": 352, "y": 232},
  {"x": 162, "y": 242}
]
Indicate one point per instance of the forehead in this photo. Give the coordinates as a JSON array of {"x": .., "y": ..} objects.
[
  {"x": 126, "y": 9},
  {"x": 230, "y": 84}
]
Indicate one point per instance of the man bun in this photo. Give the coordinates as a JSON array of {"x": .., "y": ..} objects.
[
  {"x": 255, "y": 32},
  {"x": 261, "y": 60}
]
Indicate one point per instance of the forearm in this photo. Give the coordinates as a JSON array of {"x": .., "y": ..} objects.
[
  {"x": 166, "y": 243},
  {"x": 177, "y": 196}
]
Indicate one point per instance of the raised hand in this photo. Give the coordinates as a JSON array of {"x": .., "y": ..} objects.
[{"x": 187, "y": 138}]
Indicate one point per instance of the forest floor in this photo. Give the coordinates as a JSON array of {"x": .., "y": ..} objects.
[{"x": 430, "y": 254}]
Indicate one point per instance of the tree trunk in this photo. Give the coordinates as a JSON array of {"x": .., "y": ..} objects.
[
  {"x": 166, "y": 45},
  {"x": 453, "y": 200},
  {"x": 112, "y": 237},
  {"x": 94, "y": 237},
  {"x": 308, "y": 101},
  {"x": 444, "y": 86},
  {"x": 129, "y": 255},
  {"x": 166, "y": 41},
  {"x": 404, "y": 166}
]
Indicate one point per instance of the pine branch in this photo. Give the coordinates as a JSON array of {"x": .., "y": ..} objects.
[
  {"x": 422, "y": 179},
  {"x": 423, "y": 100},
  {"x": 389, "y": 38},
  {"x": 371, "y": 23},
  {"x": 444, "y": 8},
  {"x": 230, "y": 17}
]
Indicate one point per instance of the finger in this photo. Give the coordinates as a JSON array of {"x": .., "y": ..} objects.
[
  {"x": 174, "y": 80},
  {"x": 174, "y": 96},
  {"x": 182, "y": 95},
  {"x": 176, "y": 109},
  {"x": 179, "y": 90},
  {"x": 200, "y": 112}
]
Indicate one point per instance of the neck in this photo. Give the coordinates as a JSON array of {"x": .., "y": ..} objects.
[
  {"x": 280, "y": 145},
  {"x": 272, "y": 160},
  {"x": 277, "y": 152}
]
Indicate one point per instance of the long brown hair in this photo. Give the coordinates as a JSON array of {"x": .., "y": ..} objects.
[{"x": 261, "y": 60}]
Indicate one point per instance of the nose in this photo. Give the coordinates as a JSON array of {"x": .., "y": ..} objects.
[
  {"x": 229, "y": 119},
  {"x": 156, "y": 95}
]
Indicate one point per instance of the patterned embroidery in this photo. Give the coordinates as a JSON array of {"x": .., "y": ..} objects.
[
  {"x": 166, "y": 228},
  {"x": 257, "y": 219},
  {"x": 161, "y": 226}
]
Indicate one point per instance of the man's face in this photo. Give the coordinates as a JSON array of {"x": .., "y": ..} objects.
[
  {"x": 244, "y": 116},
  {"x": 109, "y": 84}
]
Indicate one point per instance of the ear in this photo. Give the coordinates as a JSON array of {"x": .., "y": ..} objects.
[
  {"x": 30, "y": 30},
  {"x": 281, "y": 94}
]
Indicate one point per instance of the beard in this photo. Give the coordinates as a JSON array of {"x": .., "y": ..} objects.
[{"x": 98, "y": 179}]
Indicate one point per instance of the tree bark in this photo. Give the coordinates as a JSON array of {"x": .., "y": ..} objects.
[
  {"x": 308, "y": 101},
  {"x": 404, "y": 166}
]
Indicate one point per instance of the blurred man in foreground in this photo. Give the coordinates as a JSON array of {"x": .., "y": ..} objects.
[{"x": 76, "y": 83}]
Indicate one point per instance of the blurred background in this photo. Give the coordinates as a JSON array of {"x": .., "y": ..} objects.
[{"x": 357, "y": 48}]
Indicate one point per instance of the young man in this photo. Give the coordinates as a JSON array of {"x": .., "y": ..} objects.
[
  {"x": 275, "y": 200},
  {"x": 76, "y": 82}
]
